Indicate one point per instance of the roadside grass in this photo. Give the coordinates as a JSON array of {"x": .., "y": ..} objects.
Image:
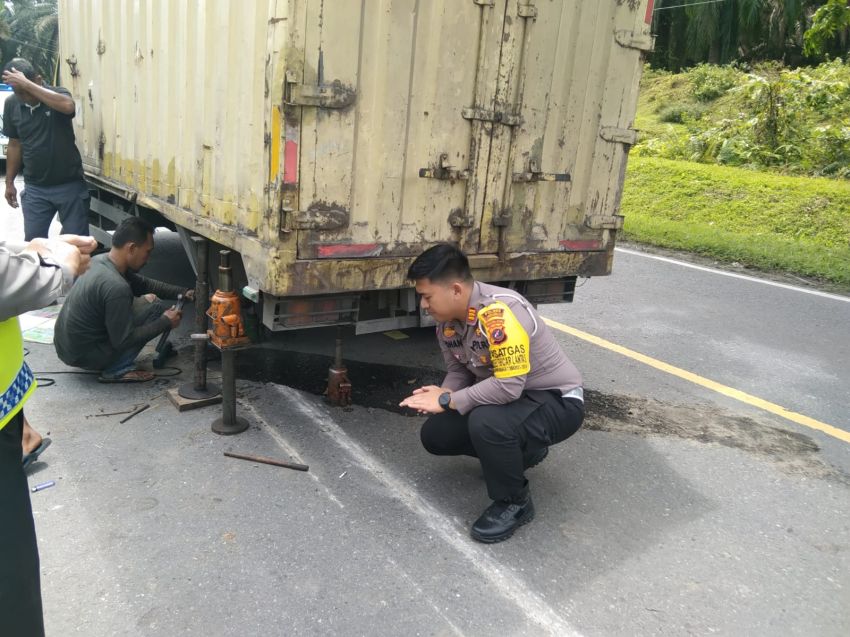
[{"x": 799, "y": 225}]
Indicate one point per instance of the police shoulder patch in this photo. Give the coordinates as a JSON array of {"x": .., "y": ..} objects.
[{"x": 509, "y": 342}]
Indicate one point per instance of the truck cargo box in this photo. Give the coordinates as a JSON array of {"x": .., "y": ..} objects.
[{"x": 329, "y": 141}]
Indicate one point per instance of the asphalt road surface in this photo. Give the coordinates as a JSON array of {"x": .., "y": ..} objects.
[{"x": 708, "y": 492}]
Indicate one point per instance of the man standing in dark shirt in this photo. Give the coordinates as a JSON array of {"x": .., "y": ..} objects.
[
  {"x": 112, "y": 312},
  {"x": 37, "y": 121}
]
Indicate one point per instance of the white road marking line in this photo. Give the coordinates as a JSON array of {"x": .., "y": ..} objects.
[
  {"x": 734, "y": 275},
  {"x": 505, "y": 581},
  {"x": 407, "y": 578},
  {"x": 287, "y": 448}
]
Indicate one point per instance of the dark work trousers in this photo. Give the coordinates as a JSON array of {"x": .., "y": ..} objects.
[
  {"x": 41, "y": 203},
  {"x": 20, "y": 584},
  {"x": 144, "y": 312},
  {"x": 502, "y": 436}
]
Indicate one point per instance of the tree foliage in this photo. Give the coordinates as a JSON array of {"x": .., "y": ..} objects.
[
  {"x": 830, "y": 30},
  {"x": 748, "y": 31},
  {"x": 30, "y": 29}
]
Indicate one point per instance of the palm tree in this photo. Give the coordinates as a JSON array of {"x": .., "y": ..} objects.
[
  {"x": 32, "y": 30},
  {"x": 726, "y": 30}
]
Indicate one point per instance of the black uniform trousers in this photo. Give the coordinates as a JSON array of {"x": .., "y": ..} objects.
[
  {"x": 503, "y": 437},
  {"x": 20, "y": 582}
]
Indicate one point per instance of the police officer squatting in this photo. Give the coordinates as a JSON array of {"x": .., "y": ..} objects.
[{"x": 510, "y": 391}]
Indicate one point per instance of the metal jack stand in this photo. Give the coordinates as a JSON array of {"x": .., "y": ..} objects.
[
  {"x": 200, "y": 389},
  {"x": 198, "y": 393},
  {"x": 229, "y": 423},
  {"x": 227, "y": 333},
  {"x": 339, "y": 387}
]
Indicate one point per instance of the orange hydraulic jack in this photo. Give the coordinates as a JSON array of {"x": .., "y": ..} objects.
[
  {"x": 225, "y": 310},
  {"x": 228, "y": 335}
]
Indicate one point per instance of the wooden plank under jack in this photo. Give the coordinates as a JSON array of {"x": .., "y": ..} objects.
[{"x": 185, "y": 404}]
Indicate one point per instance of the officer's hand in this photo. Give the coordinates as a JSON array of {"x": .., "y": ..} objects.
[
  {"x": 425, "y": 400},
  {"x": 86, "y": 245},
  {"x": 12, "y": 195},
  {"x": 174, "y": 316},
  {"x": 189, "y": 295},
  {"x": 427, "y": 388},
  {"x": 61, "y": 253}
]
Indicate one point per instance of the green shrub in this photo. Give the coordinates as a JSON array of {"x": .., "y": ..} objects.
[
  {"x": 793, "y": 121},
  {"x": 710, "y": 82},
  {"x": 680, "y": 113},
  {"x": 796, "y": 224}
]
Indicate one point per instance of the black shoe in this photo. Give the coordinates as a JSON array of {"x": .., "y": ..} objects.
[
  {"x": 501, "y": 519},
  {"x": 536, "y": 458}
]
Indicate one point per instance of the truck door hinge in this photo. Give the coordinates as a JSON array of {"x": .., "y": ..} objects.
[
  {"x": 527, "y": 11},
  {"x": 602, "y": 222},
  {"x": 502, "y": 218},
  {"x": 616, "y": 135},
  {"x": 497, "y": 117},
  {"x": 333, "y": 95},
  {"x": 321, "y": 219},
  {"x": 459, "y": 219},
  {"x": 442, "y": 170},
  {"x": 535, "y": 174},
  {"x": 484, "y": 3},
  {"x": 632, "y": 40}
]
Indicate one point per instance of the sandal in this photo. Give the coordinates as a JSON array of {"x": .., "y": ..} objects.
[
  {"x": 33, "y": 455},
  {"x": 133, "y": 376}
]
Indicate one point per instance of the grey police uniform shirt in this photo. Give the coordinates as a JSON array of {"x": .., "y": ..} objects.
[
  {"x": 502, "y": 349},
  {"x": 28, "y": 281}
]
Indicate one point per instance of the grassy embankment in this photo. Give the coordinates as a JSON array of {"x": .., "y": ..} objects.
[{"x": 767, "y": 220}]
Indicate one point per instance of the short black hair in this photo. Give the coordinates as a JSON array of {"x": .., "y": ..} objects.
[
  {"x": 131, "y": 230},
  {"x": 440, "y": 263},
  {"x": 22, "y": 65}
]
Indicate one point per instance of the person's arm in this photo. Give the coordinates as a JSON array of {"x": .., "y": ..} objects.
[
  {"x": 13, "y": 167},
  {"x": 143, "y": 285},
  {"x": 26, "y": 284},
  {"x": 118, "y": 315},
  {"x": 510, "y": 355},
  {"x": 34, "y": 274},
  {"x": 59, "y": 101}
]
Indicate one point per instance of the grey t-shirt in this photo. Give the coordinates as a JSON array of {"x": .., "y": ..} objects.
[
  {"x": 96, "y": 321},
  {"x": 50, "y": 155}
]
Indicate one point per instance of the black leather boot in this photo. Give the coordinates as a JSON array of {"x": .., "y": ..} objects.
[
  {"x": 535, "y": 458},
  {"x": 502, "y": 518}
]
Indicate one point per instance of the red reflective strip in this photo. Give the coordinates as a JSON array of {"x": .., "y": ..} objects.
[
  {"x": 290, "y": 162},
  {"x": 648, "y": 18},
  {"x": 337, "y": 250},
  {"x": 593, "y": 244}
]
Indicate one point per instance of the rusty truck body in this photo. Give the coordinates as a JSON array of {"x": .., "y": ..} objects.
[{"x": 328, "y": 142}]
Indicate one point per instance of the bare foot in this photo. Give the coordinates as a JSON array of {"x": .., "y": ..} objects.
[{"x": 32, "y": 439}]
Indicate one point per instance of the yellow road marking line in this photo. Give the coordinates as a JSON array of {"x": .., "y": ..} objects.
[{"x": 720, "y": 388}]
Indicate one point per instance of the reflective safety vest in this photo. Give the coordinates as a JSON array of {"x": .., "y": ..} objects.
[{"x": 16, "y": 380}]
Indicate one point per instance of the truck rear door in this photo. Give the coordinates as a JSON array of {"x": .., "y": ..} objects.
[
  {"x": 387, "y": 140},
  {"x": 502, "y": 125},
  {"x": 569, "y": 75}
]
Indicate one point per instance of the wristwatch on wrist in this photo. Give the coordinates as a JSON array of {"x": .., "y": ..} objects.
[{"x": 445, "y": 400}]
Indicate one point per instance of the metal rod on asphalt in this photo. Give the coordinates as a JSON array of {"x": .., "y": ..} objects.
[
  {"x": 133, "y": 414},
  {"x": 271, "y": 461}
]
